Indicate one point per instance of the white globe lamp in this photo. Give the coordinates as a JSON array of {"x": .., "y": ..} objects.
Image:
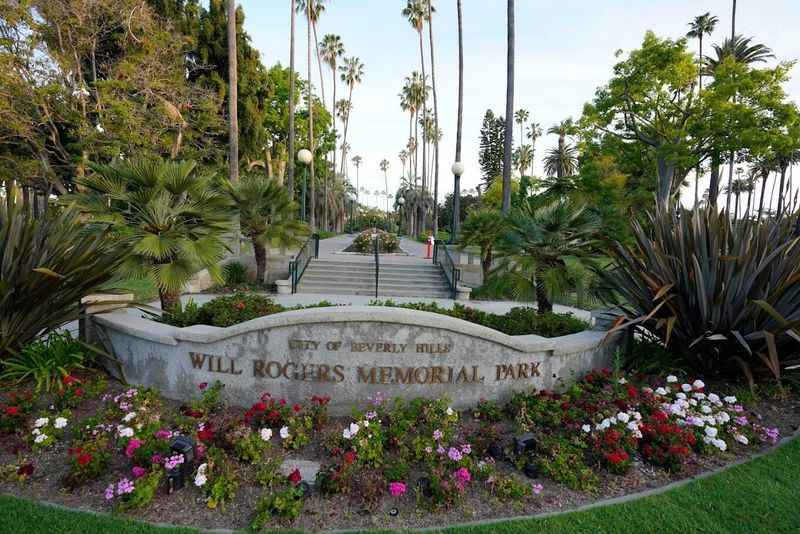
[
  {"x": 305, "y": 156},
  {"x": 458, "y": 168}
]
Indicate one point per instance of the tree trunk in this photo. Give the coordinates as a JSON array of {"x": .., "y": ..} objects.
[
  {"x": 456, "y": 225},
  {"x": 713, "y": 186},
  {"x": 333, "y": 120},
  {"x": 169, "y": 300},
  {"x": 312, "y": 219},
  {"x": 764, "y": 177},
  {"x": 260, "y": 252},
  {"x": 509, "y": 140},
  {"x": 543, "y": 304},
  {"x": 435, "y": 127},
  {"x": 233, "y": 117},
  {"x": 781, "y": 192},
  {"x": 423, "y": 214},
  {"x": 486, "y": 262},
  {"x": 730, "y": 185},
  {"x": 291, "y": 156}
]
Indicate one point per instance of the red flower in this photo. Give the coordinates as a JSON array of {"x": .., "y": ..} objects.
[
  {"x": 294, "y": 477},
  {"x": 78, "y": 392},
  {"x": 349, "y": 457},
  {"x": 282, "y": 402},
  {"x": 12, "y": 410},
  {"x": 25, "y": 470},
  {"x": 240, "y": 305},
  {"x": 69, "y": 380},
  {"x": 84, "y": 458},
  {"x": 259, "y": 407},
  {"x": 296, "y": 408},
  {"x": 202, "y": 386},
  {"x": 274, "y": 415}
]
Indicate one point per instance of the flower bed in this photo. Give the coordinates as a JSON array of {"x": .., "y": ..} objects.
[
  {"x": 394, "y": 463},
  {"x": 363, "y": 243}
]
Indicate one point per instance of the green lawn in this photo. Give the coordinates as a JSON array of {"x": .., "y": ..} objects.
[{"x": 761, "y": 496}]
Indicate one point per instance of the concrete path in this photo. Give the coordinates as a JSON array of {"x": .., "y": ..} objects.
[{"x": 413, "y": 252}]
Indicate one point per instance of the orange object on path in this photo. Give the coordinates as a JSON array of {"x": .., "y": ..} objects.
[{"x": 429, "y": 251}]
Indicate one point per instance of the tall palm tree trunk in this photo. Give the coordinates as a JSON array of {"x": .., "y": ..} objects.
[
  {"x": 423, "y": 214},
  {"x": 233, "y": 111},
  {"x": 435, "y": 127},
  {"x": 781, "y": 191},
  {"x": 346, "y": 124},
  {"x": 312, "y": 184},
  {"x": 333, "y": 115},
  {"x": 543, "y": 304},
  {"x": 460, "y": 122},
  {"x": 509, "y": 140},
  {"x": 290, "y": 144}
]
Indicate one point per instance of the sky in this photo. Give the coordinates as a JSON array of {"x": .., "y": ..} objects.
[{"x": 565, "y": 50}]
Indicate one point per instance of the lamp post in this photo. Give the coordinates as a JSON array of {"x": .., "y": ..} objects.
[
  {"x": 402, "y": 201},
  {"x": 304, "y": 156},
  {"x": 458, "y": 170}
]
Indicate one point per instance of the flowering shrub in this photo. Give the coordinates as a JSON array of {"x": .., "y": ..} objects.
[
  {"x": 563, "y": 460},
  {"x": 216, "y": 478},
  {"x": 366, "y": 439},
  {"x": 508, "y": 488},
  {"x": 248, "y": 445},
  {"x": 88, "y": 460},
  {"x": 47, "y": 430},
  {"x": 665, "y": 444},
  {"x": 387, "y": 243},
  {"x": 337, "y": 476},
  {"x": 70, "y": 392},
  {"x": 129, "y": 494},
  {"x": 14, "y": 411},
  {"x": 284, "y": 505}
]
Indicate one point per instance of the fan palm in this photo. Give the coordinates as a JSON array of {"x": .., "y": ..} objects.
[
  {"x": 701, "y": 26},
  {"x": 171, "y": 220},
  {"x": 541, "y": 234},
  {"x": 523, "y": 158},
  {"x": 742, "y": 51},
  {"x": 351, "y": 73},
  {"x": 562, "y": 130},
  {"x": 332, "y": 49},
  {"x": 266, "y": 215},
  {"x": 561, "y": 161},
  {"x": 521, "y": 117},
  {"x": 482, "y": 228}
]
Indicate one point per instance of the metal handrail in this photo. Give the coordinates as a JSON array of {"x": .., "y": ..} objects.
[
  {"x": 299, "y": 263},
  {"x": 442, "y": 257},
  {"x": 376, "y": 250}
]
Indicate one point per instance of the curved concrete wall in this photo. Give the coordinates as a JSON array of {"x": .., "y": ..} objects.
[{"x": 350, "y": 353}]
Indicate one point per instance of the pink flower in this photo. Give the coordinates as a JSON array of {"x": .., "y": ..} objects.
[
  {"x": 437, "y": 434},
  {"x": 138, "y": 472},
  {"x": 396, "y": 489},
  {"x": 537, "y": 488},
  {"x": 157, "y": 459},
  {"x": 463, "y": 475},
  {"x": 163, "y": 434},
  {"x": 202, "y": 386},
  {"x": 201, "y": 451},
  {"x": 133, "y": 444},
  {"x": 454, "y": 454}
]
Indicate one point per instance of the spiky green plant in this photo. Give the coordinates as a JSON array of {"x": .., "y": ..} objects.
[
  {"x": 482, "y": 228},
  {"x": 266, "y": 216},
  {"x": 46, "y": 266},
  {"x": 540, "y": 237},
  {"x": 46, "y": 360},
  {"x": 170, "y": 219},
  {"x": 726, "y": 293}
]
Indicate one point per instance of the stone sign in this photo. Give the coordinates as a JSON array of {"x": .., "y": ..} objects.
[{"x": 348, "y": 353}]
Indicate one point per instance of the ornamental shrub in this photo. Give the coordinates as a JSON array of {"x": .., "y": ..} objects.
[
  {"x": 284, "y": 505},
  {"x": 665, "y": 444},
  {"x": 387, "y": 243}
]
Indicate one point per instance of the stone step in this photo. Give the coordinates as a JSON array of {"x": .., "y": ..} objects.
[
  {"x": 366, "y": 284},
  {"x": 320, "y": 277},
  {"x": 371, "y": 265},
  {"x": 382, "y": 293}
]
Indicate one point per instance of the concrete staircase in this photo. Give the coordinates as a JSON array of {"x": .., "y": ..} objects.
[{"x": 339, "y": 277}]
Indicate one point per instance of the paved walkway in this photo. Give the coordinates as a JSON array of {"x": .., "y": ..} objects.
[{"x": 331, "y": 249}]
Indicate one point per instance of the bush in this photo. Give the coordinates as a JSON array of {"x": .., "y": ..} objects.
[
  {"x": 46, "y": 361},
  {"x": 235, "y": 274},
  {"x": 387, "y": 243},
  {"x": 222, "y": 311},
  {"x": 517, "y": 322},
  {"x": 47, "y": 265},
  {"x": 284, "y": 505},
  {"x": 724, "y": 292}
]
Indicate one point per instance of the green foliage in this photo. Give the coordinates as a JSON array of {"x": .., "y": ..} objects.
[
  {"x": 235, "y": 274},
  {"x": 483, "y": 228},
  {"x": 171, "y": 220},
  {"x": 724, "y": 293},
  {"x": 46, "y": 361},
  {"x": 144, "y": 491},
  {"x": 47, "y": 265},
  {"x": 284, "y": 505},
  {"x": 510, "y": 488},
  {"x": 269, "y": 472},
  {"x": 517, "y": 322},
  {"x": 222, "y": 482},
  {"x": 233, "y": 309},
  {"x": 492, "y": 140},
  {"x": 563, "y": 461},
  {"x": 182, "y": 315}
]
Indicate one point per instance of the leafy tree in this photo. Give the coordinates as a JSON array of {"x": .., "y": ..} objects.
[
  {"x": 482, "y": 228},
  {"x": 266, "y": 215},
  {"x": 492, "y": 139},
  {"x": 171, "y": 220},
  {"x": 466, "y": 204}
]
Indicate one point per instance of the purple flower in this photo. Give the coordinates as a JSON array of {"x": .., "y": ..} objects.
[
  {"x": 738, "y": 408},
  {"x": 125, "y": 486},
  {"x": 740, "y": 420},
  {"x": 173, "y": 462},
  {"x": 454, "y": 454},
  {"x": 440, "y": 449},
  {"x": 462, "y": 475},
  {"x": 371, "y": 415},
  {"x": 397, "y": 489},
  {"x": 466, "y": 448},
  {"x": 537, "y": 488},
  {"x": 110, "y": 492},
  {"x": 138, "y": 472},
  {"x": 437, "y": 434},
  {"x": 163, "y": 434}
]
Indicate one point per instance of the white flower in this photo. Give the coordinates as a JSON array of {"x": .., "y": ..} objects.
[
  {"x": 699, "y": 396},
  {"x": 637, "y": 434},
  {"x": 586, "y": 428},
  {"x": 647, "y": 389},
  {"x": 723, "y": 417},
  {"x": 60, "y": 422},
  {"x": 720, "y": 444},
  {"x": 129, "y": 416},
  {"x": 681, "y": 395},
  {"x": 284, "y": 432},
  {"x": 354, "y": 428},
  {"x": 622, "y": 380},
  {"x": 42, "y": 421},
  {"x": 713, "y": 397},
  {"x": 40, "y": 438},
  {"x": 346, "y": 434},
  {"x": 741, "y": 439},
  {"x": 698, "y": 384},
  {"x": 125, "y": 431},
  {"x": 200, "y": 478},
  {"x": 671, "y": 379},
  {"x": 266, "y": 434},
  {"x": 622, "y": 417},
  {"x": 686, "y": 388},
  {"x": 730, "y": 399},
  {"x": 633, "y": 426},
  {"x": 364, "y": 423},
  {"x": 36, "y": 431},
  {"x": 711, "y": 432},
  {"x": 692, "y": 402},
  {"x": 450, "y": 411},
  {"x": 637, "y": 416},
  {"x": 661, "y": 391},
  {"x": 705, "y": 409}
]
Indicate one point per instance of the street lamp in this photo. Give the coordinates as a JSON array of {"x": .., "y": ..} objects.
[
  {"x": 458, "y": 170},
  {"x": 402, "y": 201},
  {"x": 304, "y": 156}
]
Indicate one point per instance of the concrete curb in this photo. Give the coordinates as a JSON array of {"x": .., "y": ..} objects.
[{"x": 484, "y": 522}]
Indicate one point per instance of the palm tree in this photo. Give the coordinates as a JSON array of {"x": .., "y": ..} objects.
[
  {"x": 523, "y": 157},
  {"x": 541, "y": 233},
  {"x": 291, "y": 156},
  {"x": 509, "y": 140},
  {"x": 403, "y": 156},
  {"x": 521, "y": 117},
  {"x": 429, "y": 12},
  {"x": 482, "y": 228},
  {"x": 314, "y": 9},
  {"x": 384, "y": 166},
  {"x": 172, "y": 220},
  {"x": 534, "y": 133},
  {"x": 332, "y": 50},
  {"x": 701, "y": 26},
  {"x": 233, "y": 113},
  {"x": 266, "y": 214},
  {"x": 741, "y": 50},
  {"x": 352, "y": 73},
  {"x": 357, "y": 160},
  {"x": 762, "y": 167},
  {"x": 313, "y": 188},
  {"x": 460, "y": 124},
  {"x": 561, "y": 161}
]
